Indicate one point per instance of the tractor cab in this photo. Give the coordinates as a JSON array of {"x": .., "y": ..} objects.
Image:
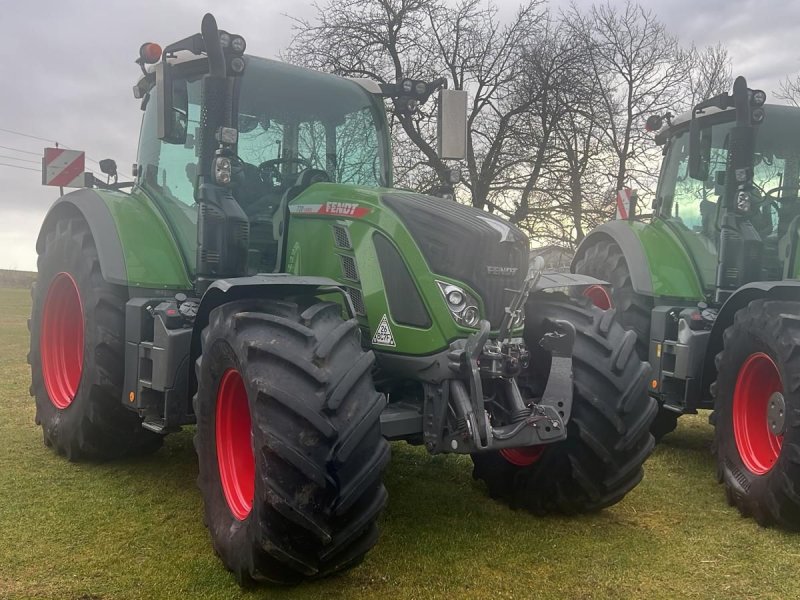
[
  {"x": 691, "y": 207},
  {"x": 296, "y": 127}
]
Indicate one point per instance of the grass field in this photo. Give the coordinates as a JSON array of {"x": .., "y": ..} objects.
[{"x": 134, "y": 529}]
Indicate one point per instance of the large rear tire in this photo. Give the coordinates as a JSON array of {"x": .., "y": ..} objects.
[
  {"x": 76, "y": 355},
  {"x": 608, "y": 437},
  {"x": 757, "y": 464},
  {"x": 605, "y": 260},
  {"x": 288, "y": 439}
]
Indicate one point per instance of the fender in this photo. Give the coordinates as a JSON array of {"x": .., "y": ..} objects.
[
  {"x": 134, "y": 244},
  {"x": 772, "y": 290},
  {"x": 264, "y": 285},
  {"x": 658, "y": 263}
]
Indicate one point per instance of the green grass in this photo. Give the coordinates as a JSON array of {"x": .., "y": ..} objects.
[{"x": 133, "y": 529}]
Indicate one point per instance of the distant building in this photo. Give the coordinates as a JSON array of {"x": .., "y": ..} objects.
[{"x": 556, "y": 258}]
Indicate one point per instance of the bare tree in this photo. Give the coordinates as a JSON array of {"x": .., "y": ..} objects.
[
  {"x": 389, "y": 40},
  {"x": 711, "y": 73},
  {"x": 640, "y": 70},
  {"x": 557, "y": 100},
  {"x": 789, "y": 91}
]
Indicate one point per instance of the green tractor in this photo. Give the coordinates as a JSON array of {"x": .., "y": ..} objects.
[
  {"x": 710, "y": 286},
  {"x": 262, "y": 280}
]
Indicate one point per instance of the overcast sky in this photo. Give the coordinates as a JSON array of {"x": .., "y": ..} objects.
[{"x": 67, "y": 71}]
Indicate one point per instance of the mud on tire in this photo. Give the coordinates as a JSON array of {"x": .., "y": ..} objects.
[
  {"x": 317, "y": 446},
  {"x": 89, "y": 422},
  {"x": 608, "y": 433}
]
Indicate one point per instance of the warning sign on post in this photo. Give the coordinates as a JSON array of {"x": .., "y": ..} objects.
[
  {"x": 383, "y": 335},
  {"x": 63, "y": 168}
]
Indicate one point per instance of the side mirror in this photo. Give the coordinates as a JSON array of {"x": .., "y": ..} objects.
[
  {"x": 451, "y": 130},
  {"x": 172, "y": 98}
]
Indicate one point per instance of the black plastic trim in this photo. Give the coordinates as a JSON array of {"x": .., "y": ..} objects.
[{"x": 405, "y": 302}]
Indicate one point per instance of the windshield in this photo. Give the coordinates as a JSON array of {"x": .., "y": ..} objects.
[
  {"x": 297, "y": 118},
  {"x": 693, "y": 203}
]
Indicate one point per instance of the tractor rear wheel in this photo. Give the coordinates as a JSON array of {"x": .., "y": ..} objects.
[
  {"x": 288, "y": 439},
  {"x": 605, "y": 260},
  {"x": 757, "y": 394},
  {"x": 608, "y": 436},
  {"x": 76, "y": 355}
]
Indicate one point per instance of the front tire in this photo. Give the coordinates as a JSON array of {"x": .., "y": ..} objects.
[
  {"x": 608, "y": 437},
  {"x": 756, "y": 462},
  {"x": 76, "y": 355},
  {"x": 288, "y": 440},
  {"x": 605, "y": 260}
]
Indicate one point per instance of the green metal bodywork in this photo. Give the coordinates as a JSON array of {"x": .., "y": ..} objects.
[
  {"x": 657, "y": 255},
  {"x": 152, "y": 258},
  {"x": 311, "y": 251},
  {"x": 672, "y": 268}
]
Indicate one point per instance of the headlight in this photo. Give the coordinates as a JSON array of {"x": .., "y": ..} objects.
[
  {"x": 462, "y": 306},
  {"x": 222, "y": 170}
]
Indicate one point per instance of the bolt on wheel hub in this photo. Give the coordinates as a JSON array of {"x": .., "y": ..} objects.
[{"x": 776, "y": 413}]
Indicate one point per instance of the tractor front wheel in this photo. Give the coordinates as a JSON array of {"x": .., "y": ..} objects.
[
  {"x": 608, "y": 436},
  {"x": 77, "y": 352},
  {"x": 288, "y": 440},
  {"x": 605, "y": 260},
  {"x": 756, "y": 437}
]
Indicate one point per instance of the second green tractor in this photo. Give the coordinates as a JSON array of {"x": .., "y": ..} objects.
[{"x": 710, "y": 285}]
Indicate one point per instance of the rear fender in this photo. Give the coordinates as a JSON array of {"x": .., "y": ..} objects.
[
  {"x": 659, "y": 265},
  {"x": 135, "y": 246}
]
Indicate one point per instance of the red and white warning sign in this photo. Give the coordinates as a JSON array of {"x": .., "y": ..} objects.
[
  {"x": 63, "y": 168},
  {"x": 626, "y": 203}
]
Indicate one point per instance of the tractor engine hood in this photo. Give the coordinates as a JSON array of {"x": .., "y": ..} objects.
[{"x": 466, "y": 244}]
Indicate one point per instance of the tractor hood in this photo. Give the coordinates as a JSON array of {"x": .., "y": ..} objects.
[{"x": 466, "y": 244}]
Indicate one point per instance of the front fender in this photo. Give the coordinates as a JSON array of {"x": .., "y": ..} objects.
[{"x": 265, "y": 285}]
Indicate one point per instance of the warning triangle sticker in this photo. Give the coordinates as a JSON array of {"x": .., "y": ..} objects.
[{"x": 383, "y": 335}]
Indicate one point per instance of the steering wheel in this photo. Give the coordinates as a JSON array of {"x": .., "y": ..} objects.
[
  {"x": 271, "y": 175},
  {"x": 769, "y": 194}
]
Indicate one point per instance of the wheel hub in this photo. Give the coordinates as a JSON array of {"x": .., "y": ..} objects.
[
  {"x": 599, "y": 296},
  {"x": 759, "y": 411},
  {"x": 522, "y": 457},
  {"x": 776, "y": 413},
  {"x": 61, "y": 340},
  {"x": 234, "y": 447}
]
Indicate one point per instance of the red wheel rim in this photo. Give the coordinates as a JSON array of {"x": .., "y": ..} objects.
[
  {"x": 599, "y": 296},
  {"x": 61, "y": 340},
  {"x": 758, "y": 379},
  {"x": 234, "y": 451},
  {"x": 522, "y": 457}
]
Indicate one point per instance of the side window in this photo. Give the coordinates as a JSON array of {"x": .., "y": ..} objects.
[
  {"x": 693, "y": 202},
  {"x": 169, "y": 170}
]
